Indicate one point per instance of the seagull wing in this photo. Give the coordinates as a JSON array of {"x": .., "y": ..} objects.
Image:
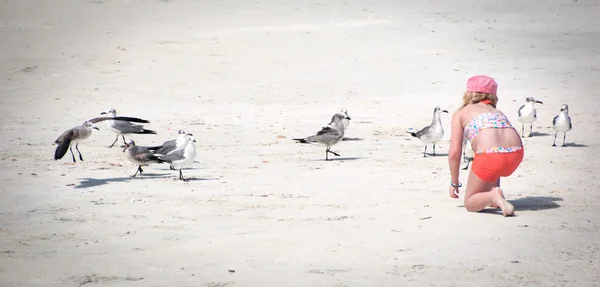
[
  {"x": 173, "y": 156},
  {"x": 520, "y": 112},
  {"x": 423, "y": 131},
  {"x": 64, "y": 142},
  {"x": 129, "y": 119},
  {"x": 165, "y": 148},
  {"x": 328, "y": 130}
]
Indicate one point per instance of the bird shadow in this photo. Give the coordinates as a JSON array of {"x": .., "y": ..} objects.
[
  {"x": 436, "y": 154},
  {"x": 187, "y": 179},
  {"x": 539, "y": 134},
  {"x": 352, "y": 139},
  {"x": 94, "y": 182},
  {"x": 575, "y": 145},
  {"x": 339, "y": 159}
]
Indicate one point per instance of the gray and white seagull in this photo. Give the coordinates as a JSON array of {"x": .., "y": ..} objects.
[
  {"x": 170, "y": 145},
  {"x": 562, "y": 123},
  {"x": 80, "y": 133},
  {"x": 527, "y": 114},
  {"x": 139, "y": 155},
  {"x": 432, "y": 133},
  {"x": 182, "y": 157},
  {"x": 122, "y": 128},
  {"x": 328, "y": 136}
]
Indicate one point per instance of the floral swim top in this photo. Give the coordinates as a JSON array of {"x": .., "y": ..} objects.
[{"x": 486, "y": 121}]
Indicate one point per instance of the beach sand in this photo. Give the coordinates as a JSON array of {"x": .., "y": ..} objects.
[{"x": 245, "y": 77}]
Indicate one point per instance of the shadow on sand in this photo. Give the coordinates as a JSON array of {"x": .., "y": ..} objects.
[
  {"x": 573, "y": 145},
  {"x": 352, "y": 139},
  {"x": 93, "y": 182},
  {"x": 340, "y": 159},
  {"x": 539, "y": 134},
  {"x": 187, "y": 179},
  {"x": 436, "y": 154},
  {"x": 535, "y": 203}
]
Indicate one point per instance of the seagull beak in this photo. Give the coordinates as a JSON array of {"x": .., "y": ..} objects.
[
  {"x": 96, "y": 128},
  {"x": 444, "y": 111},
  {"x": 103, "y": 113},
  {"x": 539, "y": 102},
  {"x": 194, "y": 140},
  {"x": 348, "y": 118},
  {"x": 126, "y": 146}
]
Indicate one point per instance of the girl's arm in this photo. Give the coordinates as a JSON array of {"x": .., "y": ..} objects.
[{"x": 456, "y": 139}]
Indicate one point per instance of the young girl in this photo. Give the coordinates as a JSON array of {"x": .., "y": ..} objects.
[{"x": 497, "y": 146}]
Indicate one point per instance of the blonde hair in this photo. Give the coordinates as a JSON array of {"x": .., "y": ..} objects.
[{"x": 476, "y": 97}]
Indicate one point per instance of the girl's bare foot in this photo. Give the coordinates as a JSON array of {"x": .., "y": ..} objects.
[{"x": 499, "y": 200}]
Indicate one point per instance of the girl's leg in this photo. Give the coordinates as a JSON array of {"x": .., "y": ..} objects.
[
  {"x": 493, "y": 205},
  {"x": 478, "y": 194}
]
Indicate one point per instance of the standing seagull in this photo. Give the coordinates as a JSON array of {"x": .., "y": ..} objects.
[
  {"x": 527, "y": 114},
  {"x": 562, "y": 123},
  {"x": 180, "y": 158},
  {"x": 467, "y": 152},
  {"x": 139, "y": 155},
  {"x": 80, "y": 133},
  {"x": 346, "y": 121},
  {"x": 122, "y": 128},
  {"x": 328, "y": 136},
  {"x": 431, "y": 133},
  {"x": 170, "y": 145}
]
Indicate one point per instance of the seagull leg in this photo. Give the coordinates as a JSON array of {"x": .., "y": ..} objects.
[
  {"x": 425, "y": 151},
  {"x": 71, "y": 149},
  {"x": 564, "y": 139},
  {"x": 554, "y": 143},
  {"x": 467, "y": 167},
  {"x": 181, "y": 176},
  {"x": 522, "y": 130},
  {"x": 433, "y": 149},
  {"x": 327, "y": 154},
  {"x": 171, "y": 167},
  {"x": 113, "y": 144},
  {"x": 77, "y": 148},
  {"x": 139, "y": 169},
  {"x": 530, "y": 129}
]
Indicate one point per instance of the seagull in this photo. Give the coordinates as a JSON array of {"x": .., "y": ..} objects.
[
  {"x": 80, "y": 133},
  {"x": 527, "y": 114},
  {"x": 328, "y": 136},
  {"x": 139, "y": 155},
  {"x": 180, "y": 158},
  {"x": 467, "y": 152},
  {"x": 121, "y": 128},
  {"x": 562, "y": 123},
  {"x": 431, "y": 133},
  {"x": 170, "y": 146},
  {"x": 346, "y": 121}
]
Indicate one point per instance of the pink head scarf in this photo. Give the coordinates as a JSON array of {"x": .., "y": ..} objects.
[{"x": 482, "y": 84}]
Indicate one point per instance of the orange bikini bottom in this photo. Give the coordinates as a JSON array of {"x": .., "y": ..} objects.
[{"x": 491, "y": 166}]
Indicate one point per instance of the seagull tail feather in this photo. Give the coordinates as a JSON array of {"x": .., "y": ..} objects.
[
  {"x": 61, "y": 150},
  {"x": 145, "y": 131}
]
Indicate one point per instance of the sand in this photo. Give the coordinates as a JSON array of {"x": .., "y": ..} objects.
[{"x": 245, "y": 77}]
